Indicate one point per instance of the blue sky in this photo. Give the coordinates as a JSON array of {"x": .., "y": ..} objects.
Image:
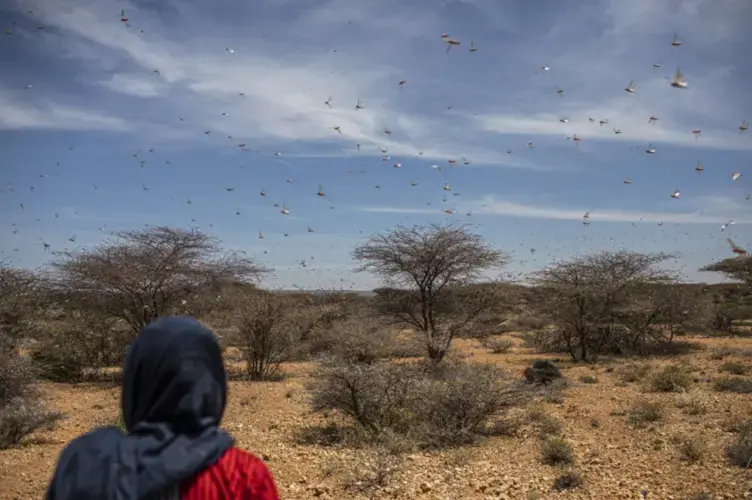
[{"x": 102, "y": 91}]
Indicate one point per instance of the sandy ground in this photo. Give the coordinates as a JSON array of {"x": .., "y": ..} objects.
[{"x": 617, "y": 461}]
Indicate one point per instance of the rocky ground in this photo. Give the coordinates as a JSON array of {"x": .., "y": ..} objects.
[{"x": 616, "y": 460}]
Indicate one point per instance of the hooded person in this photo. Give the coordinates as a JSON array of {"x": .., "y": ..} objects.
[{"x": 174, "y": 395}]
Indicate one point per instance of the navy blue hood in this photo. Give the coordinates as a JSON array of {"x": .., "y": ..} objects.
[{"x": 173, "y": 399}]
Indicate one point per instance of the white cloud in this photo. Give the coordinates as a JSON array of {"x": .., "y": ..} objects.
[
  {"x": 135, "y": 85},
  {"x": 15, "y": 114},
  {"x": 493, "y": 207},
  {"x": 285, "y": 89}
]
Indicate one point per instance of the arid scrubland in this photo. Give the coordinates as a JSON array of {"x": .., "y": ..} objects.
[{"x": 602, "y": 377}]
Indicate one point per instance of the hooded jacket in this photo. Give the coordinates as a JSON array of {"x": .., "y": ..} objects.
[{"x": 173, "y": 398}]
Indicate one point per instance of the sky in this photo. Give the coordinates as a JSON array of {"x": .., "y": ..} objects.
[{"x": 183, "y": 113}]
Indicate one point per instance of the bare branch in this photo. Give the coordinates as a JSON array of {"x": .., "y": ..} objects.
[{"x": 147, "y": 273}]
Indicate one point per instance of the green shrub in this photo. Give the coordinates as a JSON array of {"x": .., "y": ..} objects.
[
  {"x": 632, "y": 372},
  {"x": 740, "y": 451},
  {"x": 556, "y": 451},
  {"x": 644, "y": 412},
  {"x": 733, "y": 384},
  {"x": 670, "y": 379},
  {"x": 734, "y": 368},
  {"x": 691, "y": 450}
]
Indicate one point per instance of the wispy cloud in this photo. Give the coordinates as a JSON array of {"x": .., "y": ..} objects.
[
  {"x": 135, "y": 85},
  {"x": 490, "y": 206},
  {"x": 16, "y": 113},
  {"x": 284, "y": 91}
]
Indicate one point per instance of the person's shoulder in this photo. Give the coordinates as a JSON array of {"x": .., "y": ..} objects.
[
  {"x": 235, "y": 457},
  {"x": 247, "y": 474}
]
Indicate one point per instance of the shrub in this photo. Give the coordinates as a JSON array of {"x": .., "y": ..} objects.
[
  {"x": 670, "y": 379},
  {"x": 733, "y": 384},
  {"x": 567, "y": 481},
  {"x": 644, "y": 412},
  {"x": 691, "y": 450},
  {"x": 725, "y": 351},
  {"x": 734, "y": 368},
  {"x": 546, "y": 424},
  {"x": 80, "y": 345},
  {"x": 588, "y": 379},
  {"x": 436, "y": 405},
  {"x": 542, "y": 371},
  {"x": 740, "y": 451},
  {"x": 556, "y": 451},
  {"x": 702, "y": 496},
  {"x": 527, "y": 322},
  {"x": 354, "y": 340},
  {"x": 373, "y": 473},
  {"x": 554, "y": 392},
  {"x": 691, "y": 403},
  {"x": 497, "y": 345},
  {"x": 21, "y": 408},
  {"x": 267, "y": 332},
  {"x": 632, "y": 372}
]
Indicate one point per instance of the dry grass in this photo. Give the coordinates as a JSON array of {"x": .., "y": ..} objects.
[{"x": 615, "y": 462}]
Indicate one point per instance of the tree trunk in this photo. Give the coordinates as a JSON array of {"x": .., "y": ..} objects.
[
  {"x": 583, "y": 349},
  {"x": 435, "y": 353}
]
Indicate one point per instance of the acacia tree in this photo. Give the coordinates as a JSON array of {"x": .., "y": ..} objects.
[
  {"x": 602, "y": 302},
  {"x": 147, "y": 273},
  {"x": 738, "y": 305},
  {"x": 427, "y": 270},
  {"x": 735, "y": 268}
]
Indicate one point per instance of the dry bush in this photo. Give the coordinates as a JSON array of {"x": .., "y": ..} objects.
[
  {"x": 691, "y": 449},
  {"x": 270, "y": 328},
  {"x": 692, "y": 403},
  {"x": 670, "y": 379},
  {"x": 80, "y": 346},
  {"x": 644, "y": 412},
  {"x": 542, "y": 372},
  {"x": 725, "y": 351},
  {"x": 739, "y": 452},
  {"x": 429, "y": 273},
  {"x": 435, "y": 406},
  {"x": 554, "y": 392},
  {"x": 569, "y": 480},
  {"x": 18, "y": 303},
  {"x": 631, "y": 373},
  {"x": 733, "y": 384},
  {"x": 734, "y": 368},
  {"x": 496, "y": 345},
  {"x": 546, "y": 425},
  {"x": 526, "y": 322},
  {"x": 556, "y": 451},
  {"x": 355, "y": 340},
  {"x": 376, "y": 471},
  {"x": 22, "y": 410}
]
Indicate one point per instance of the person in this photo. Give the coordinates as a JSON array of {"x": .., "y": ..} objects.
[{"x": 173, "y": 398}]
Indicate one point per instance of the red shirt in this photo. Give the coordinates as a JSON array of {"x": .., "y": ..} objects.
[{"x": 236, "y": 475}]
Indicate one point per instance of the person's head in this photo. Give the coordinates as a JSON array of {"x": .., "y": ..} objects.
[
  {"x": 174, "y": 395},
  {"x": 174, "y": 375}
]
